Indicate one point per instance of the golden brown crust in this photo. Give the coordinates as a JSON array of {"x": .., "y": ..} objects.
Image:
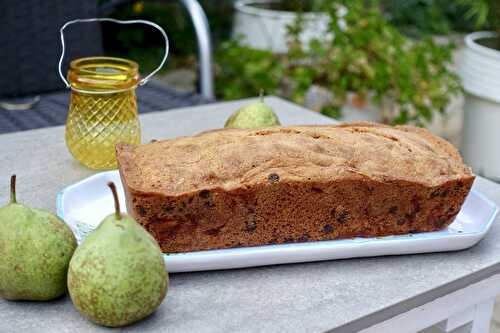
[{"x": 227, "y": 188}]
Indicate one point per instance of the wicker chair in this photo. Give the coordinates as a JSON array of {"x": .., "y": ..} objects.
[{"x": 31, "y": 48}]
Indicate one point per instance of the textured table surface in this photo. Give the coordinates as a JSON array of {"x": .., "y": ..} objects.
[{"x": 342, "y": 295}]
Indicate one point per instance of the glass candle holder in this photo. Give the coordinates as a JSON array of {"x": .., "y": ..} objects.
[
  {"x": 103, "y": 104},
  {"x": 103, "y": 109}
]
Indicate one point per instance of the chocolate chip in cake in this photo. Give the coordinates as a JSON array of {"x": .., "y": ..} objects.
[
  {"x": 415, "y": 206},
  {"x": 317, "y": 190},
  {"x": 333, "y": 212},
  {"x": 410, "y": 217},
  {"x": 288, "y": 240},
  {"x": 393, "y": 209},
  {"x": 327, "y": 228},
  {"x": 213, "y": 232},
  {"x": 205, "y": 194},
  {"x": 435, "y": 193},
  {"x": 444, "y": 194},
  {"x": 342, "y": 216},
  {"x": 141, "y": 210},
  {"x": 273, "y": 177},
  {"x": 250, "y": 226}
]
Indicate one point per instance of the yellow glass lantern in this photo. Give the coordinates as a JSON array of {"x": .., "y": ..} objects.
[{"x": 103, "y": 104}]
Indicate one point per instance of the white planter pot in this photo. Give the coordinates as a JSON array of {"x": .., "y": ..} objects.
[
  {"x": 266, "y": 29},
  {"x": 480, "y": 73}
]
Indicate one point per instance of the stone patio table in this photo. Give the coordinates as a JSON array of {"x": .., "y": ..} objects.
[{"x": 385, "y": 294}]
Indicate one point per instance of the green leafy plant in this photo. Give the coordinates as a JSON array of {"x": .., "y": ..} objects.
[
  {"x": 291, "y": 5},
  {"x": 420, "y": 17},
  {"x": 243, "y": 72},
  {"x": 486, "y": 15},
  {"x": 408, "y": 79}
]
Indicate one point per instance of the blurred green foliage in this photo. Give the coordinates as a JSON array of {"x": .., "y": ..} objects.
[
  {"x": 372, "y": 57},
  {"x": 420, "y": 17},
  {"x": 146, "y": 46},
  {"x": 486, "y": 15},
  {"x": 244, "y": 71},
  {"x": 369, "y": 57},
  {"x": 291, "y": 5}
]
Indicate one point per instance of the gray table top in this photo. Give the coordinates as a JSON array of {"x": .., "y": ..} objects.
[{"x": 341, "y": 295}]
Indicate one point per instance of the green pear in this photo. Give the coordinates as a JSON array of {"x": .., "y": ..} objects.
[
  {"x": 35, "y": 250},
  {"x": 117, "y": 276},
  {"x": 254, "y": 115}
]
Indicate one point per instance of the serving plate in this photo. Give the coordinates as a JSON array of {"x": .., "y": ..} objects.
[{"x": 84, "y": 204}]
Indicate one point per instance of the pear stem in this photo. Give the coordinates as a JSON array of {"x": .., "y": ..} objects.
[
  {"x": 261, "y": 95},
  {"x": 13, "y": 189},
  {"x": 118, "y": 214}
]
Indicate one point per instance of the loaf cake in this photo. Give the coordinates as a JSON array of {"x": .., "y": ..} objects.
[{"x": 246, "y": 187}]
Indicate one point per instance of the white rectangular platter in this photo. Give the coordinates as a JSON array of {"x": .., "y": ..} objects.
[{"x": 84, "y": 204}]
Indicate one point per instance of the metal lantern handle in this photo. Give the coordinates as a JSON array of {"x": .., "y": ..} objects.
[{"x": 106, "y": 19}]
